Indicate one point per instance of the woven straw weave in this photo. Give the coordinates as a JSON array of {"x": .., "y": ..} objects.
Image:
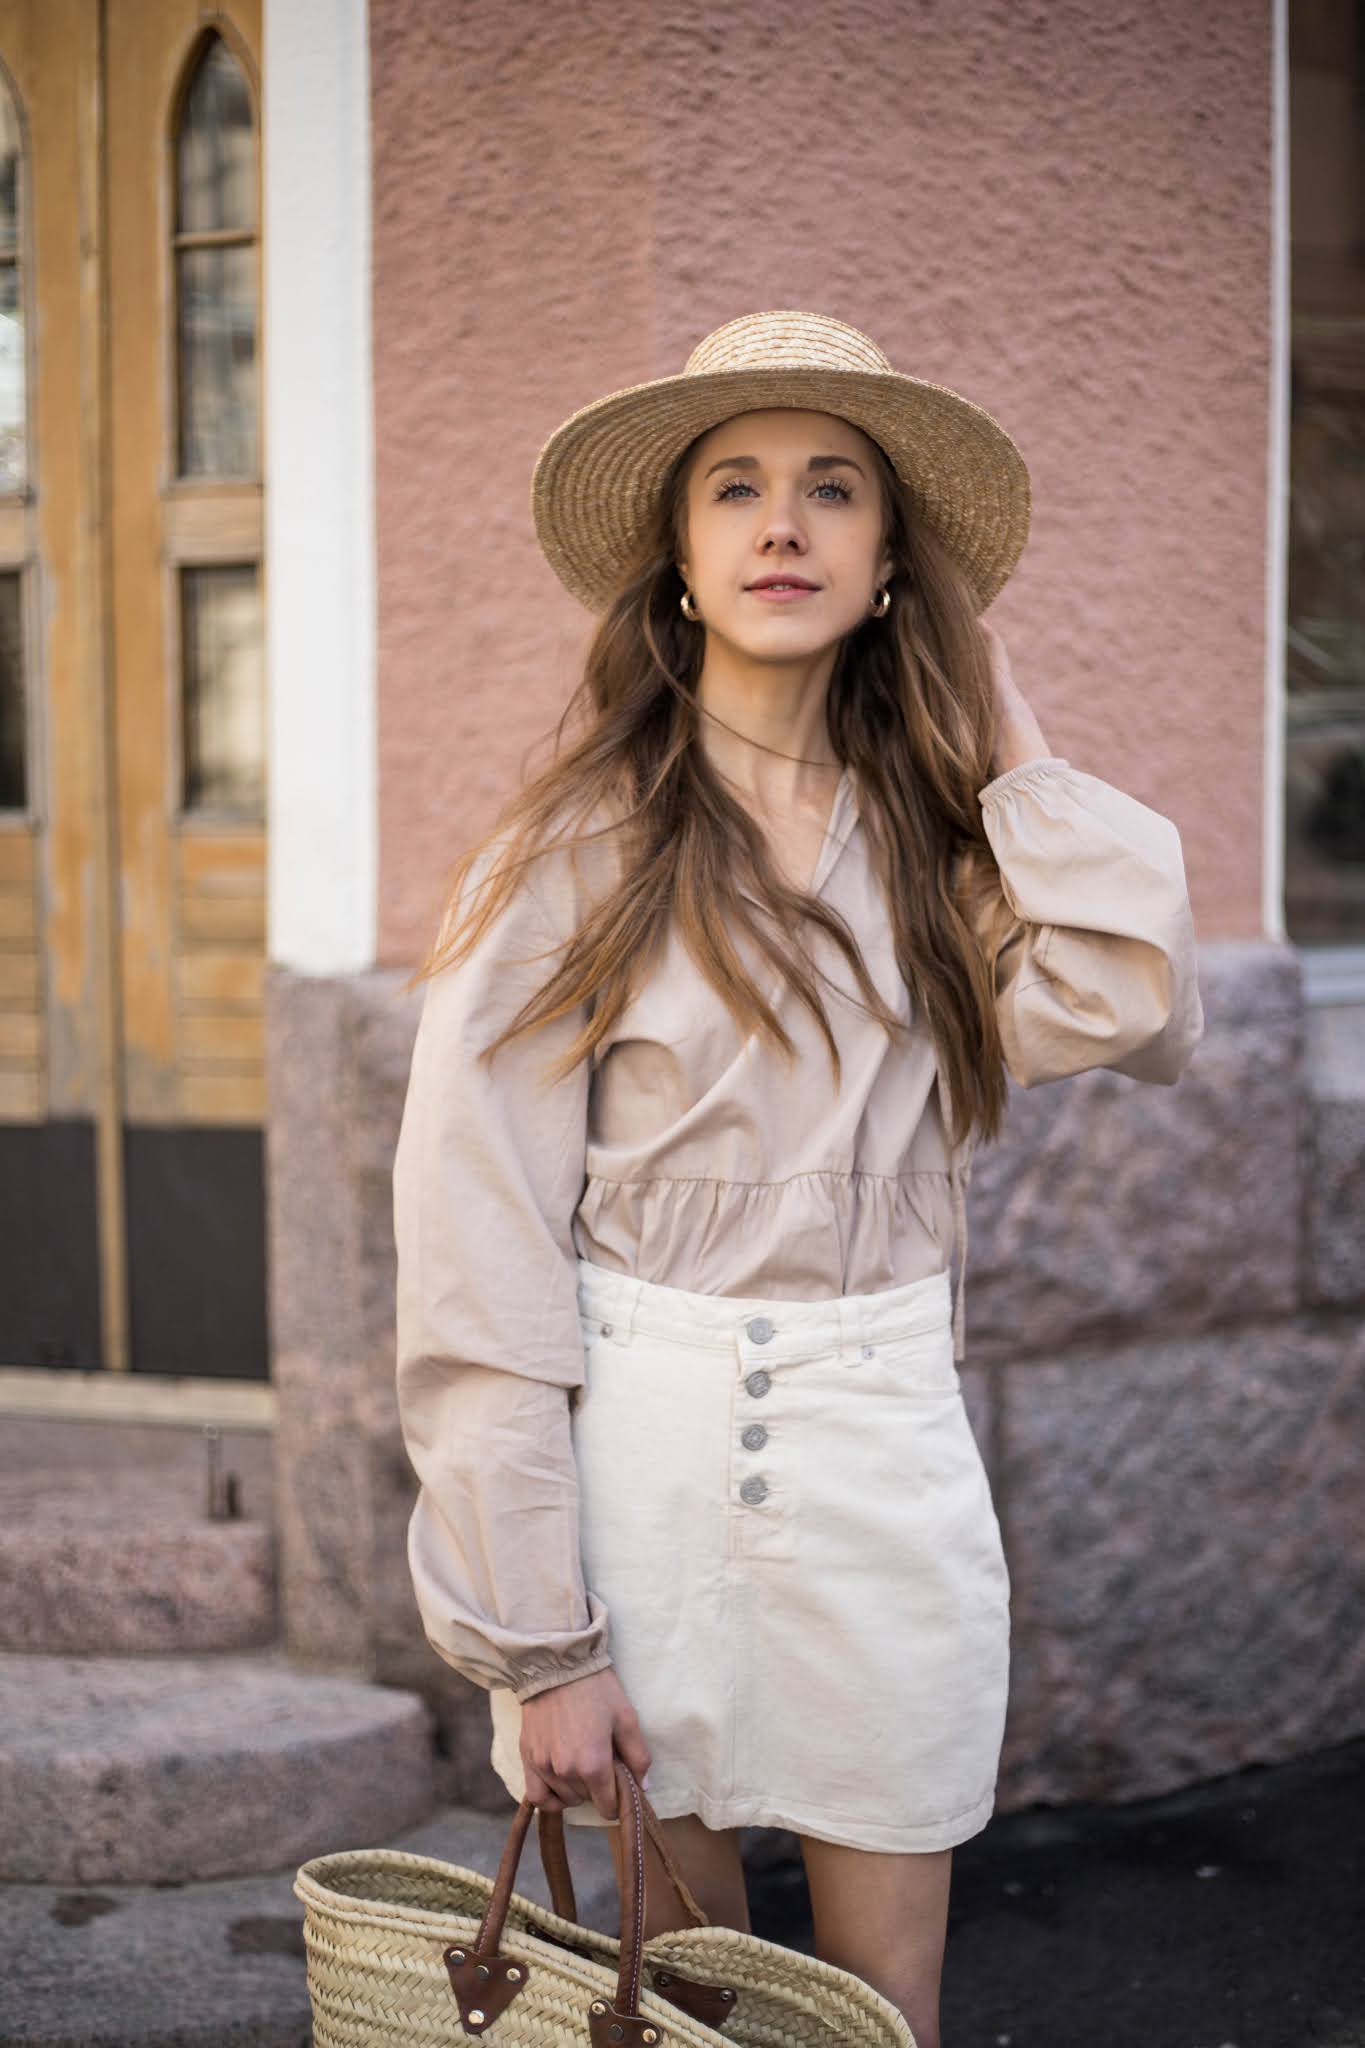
[
  {"x": 376, "y": 1923},
  {"x": 599, "y": 473}
]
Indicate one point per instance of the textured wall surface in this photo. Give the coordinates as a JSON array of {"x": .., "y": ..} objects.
[{"x": 1062, "y": 210}]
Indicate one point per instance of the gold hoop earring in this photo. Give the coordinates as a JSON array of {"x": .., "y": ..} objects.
[
  {"x": 881, "y": 602},
  {"x": 687, "y": 604}
]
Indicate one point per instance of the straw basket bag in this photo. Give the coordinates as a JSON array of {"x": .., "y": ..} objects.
[{"x": 404, "y": 1949}]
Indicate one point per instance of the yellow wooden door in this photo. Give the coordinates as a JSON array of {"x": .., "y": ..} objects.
[{"x": 132, "y": 716}]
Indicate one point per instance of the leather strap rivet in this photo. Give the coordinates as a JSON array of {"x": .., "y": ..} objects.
[
  {"x": 662, "y": 1977},
  {"x": 514, "y": 1976},
  {"x": 598, "y": 2005},
  {"x": 727, "y": 1992},
  {"x": 476, "y": 2018},
  {"x": 616, "y": 2032},
  {"x": 456, "y": 1955},
  {"x": 481, "y": 1970},
  {"x": 650, "y": 2035}
]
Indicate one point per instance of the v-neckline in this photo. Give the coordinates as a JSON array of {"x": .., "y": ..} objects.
[{"x": 832, "y": 843}]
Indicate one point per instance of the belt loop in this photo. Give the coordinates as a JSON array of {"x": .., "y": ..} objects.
[
  {"x": 960, "y": 1240},
  {"x": 852, "y": 1324},
  {"x": 959, "y": 1173},
  {"x": 628, "y": 1300}
]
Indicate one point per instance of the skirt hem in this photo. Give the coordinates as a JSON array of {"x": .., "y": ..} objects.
[{"x": 921, "y": 1839}]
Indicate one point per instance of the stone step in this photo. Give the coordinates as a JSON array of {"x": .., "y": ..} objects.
[
  {"x": 127, "y": 1564},
  {"x": 143, "y": 1770},
  {"x": 200, "y": 1965}
]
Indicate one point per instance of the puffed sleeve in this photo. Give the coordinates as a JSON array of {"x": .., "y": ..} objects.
[
  {"x": 1103, "y": 972},
  {"x": 488, "y": 1170}
]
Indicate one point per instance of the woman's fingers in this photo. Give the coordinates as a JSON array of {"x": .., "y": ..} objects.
[
  {"x": 538, "y": 1791},
  {"x": 602, "y": 1789},
  {"x": 549, "y": 1788},
  {"x": 633, "y": 1746}
]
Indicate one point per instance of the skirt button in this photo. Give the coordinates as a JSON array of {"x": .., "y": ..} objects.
[
  {"x": 760, "y": 1329},
  {"x": 758, "y": 1382},
  {"x": 755, "y": 1436},
  {"x": 753, "y": 1491}
]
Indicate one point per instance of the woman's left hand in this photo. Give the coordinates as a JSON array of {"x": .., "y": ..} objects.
[{"x": 1018, "y": 735}]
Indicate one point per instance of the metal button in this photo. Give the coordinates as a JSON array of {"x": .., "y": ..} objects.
[
  {"x": 760, "y": 1329},
  {"x": 867, "y": 1351},
  {"x": 758, "y": 1382},
  {"x": 606, "y": 1329},
  {"x": 755, "y": 1436},
  {"x": 754, "y": 1490}
]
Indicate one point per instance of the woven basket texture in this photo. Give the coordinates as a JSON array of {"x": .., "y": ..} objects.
[{"x": 376, "y": 1923}]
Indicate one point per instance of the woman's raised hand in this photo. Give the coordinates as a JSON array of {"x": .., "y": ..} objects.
[
  {"x": 568, "y": 1735},
  {"x": 1018, "y": 735}
]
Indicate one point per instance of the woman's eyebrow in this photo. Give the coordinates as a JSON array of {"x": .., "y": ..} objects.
[{"x": 816, "y": 462}]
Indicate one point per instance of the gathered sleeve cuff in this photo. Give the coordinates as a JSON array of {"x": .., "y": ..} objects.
[
  {"x": 488, "y": 1172},
  {"x": 1102, "y": 971},
  {"x": 493, "y": 1540}
]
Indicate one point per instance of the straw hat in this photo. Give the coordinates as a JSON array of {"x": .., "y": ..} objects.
[{"x": 598, "y": 475}]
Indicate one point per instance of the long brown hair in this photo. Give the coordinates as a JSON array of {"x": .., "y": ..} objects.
[{"x": 909, "y": 706}]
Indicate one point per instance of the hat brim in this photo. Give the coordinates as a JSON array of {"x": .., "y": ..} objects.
[{"x": 598, "y": 476}]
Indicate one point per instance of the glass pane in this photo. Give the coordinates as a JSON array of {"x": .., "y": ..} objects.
[
  {"x": 11, "y": 156},
  {"x": 13, "y": 411},
  {"x": 13, "y": 419},
  {"x": 13, "y": 749},
  {"x": 1325, "y": 651},
  {"x": 224, "y": 694},
  {"x": 217, "y": 290},
  {"x": 216, "y": 181}
]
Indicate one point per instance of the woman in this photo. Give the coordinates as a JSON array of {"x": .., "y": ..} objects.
[{"x": 714, "y": 1020}]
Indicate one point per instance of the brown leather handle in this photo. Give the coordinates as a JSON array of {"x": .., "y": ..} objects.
[
  {"x": 554, "y": 1860},
  {"x": 486, "y": 1965}
]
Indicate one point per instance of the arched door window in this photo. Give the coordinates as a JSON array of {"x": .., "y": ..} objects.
[
  {"x": 217, "y": 297},
  {"x": 216, "y": 266}
]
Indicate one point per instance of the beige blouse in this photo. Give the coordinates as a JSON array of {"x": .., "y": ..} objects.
[{"x": 700, "y": 1158}]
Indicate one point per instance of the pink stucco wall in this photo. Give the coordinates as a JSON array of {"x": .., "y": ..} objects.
[{"x": 1061, "y": 209}]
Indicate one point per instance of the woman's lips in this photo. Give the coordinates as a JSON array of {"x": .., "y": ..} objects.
[{"x": 783, "y": 595}]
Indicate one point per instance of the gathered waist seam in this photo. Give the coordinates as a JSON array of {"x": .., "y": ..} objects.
[{"x": 720, "y": 1180}]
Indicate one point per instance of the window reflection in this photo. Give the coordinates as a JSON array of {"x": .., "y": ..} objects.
[
  {"x": 224, "y": 697},
  {"x": 13, "y": 410},
  {"x": 13, "y": 748},
  {"x": 216, "y": 269},
  {"x": 1325, "y": 654},
  {"x": 216, "y": 173}
]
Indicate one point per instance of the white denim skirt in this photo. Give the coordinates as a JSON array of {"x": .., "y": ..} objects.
[{"x": 785, "y": 1511}]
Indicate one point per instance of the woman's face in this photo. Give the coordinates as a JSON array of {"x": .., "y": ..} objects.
[{"x": 784, "y": 491}]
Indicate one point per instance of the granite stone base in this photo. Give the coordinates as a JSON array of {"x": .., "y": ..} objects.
[
  {"x": 167, "y": 1769},
  {"x": 125, "y": 1563},
  {"x": 1183, "y": 1525},
  {"x": 1165, "y": 1302}
]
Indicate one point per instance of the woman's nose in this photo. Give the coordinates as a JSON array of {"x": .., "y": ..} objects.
[{"x": 782, "y": 530}]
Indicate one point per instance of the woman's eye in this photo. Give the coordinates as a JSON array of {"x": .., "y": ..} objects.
[{"x": 828, "y": 483}]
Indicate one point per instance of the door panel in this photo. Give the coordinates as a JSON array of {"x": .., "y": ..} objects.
[{"x": 132, "y": 874}]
